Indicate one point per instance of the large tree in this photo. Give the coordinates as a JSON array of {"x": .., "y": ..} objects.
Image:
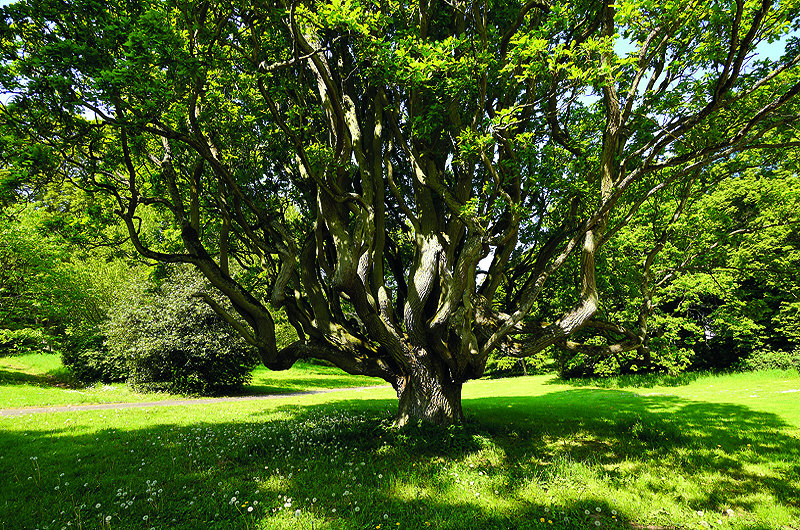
[{"x": 405, "y": 176}]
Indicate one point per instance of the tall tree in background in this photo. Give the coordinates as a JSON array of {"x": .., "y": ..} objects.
[{"x": 369, "y": 159}]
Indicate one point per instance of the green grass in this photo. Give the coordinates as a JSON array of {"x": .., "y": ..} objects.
[
  {"x": 39, "y": 380},
  {"x": 302, "y": 377},
  {"x": 632, "y": 454}
]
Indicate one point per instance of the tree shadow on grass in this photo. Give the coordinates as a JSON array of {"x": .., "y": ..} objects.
[
  {"x": 632, "y": 380},
  {"x": 737, "y": 452},
  {"x": 21, "y": 377},
  {"x": 528, "y": 459}
]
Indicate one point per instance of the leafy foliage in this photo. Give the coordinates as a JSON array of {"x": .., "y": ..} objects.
[
  {"x": 724, "y": 285},
  {"x": 45, "y": 283},
  {"x": 56, "y": 287},
  {"x": 499, "y": 366},
  {"x": 172, "y": 341},
  {"x": 89, "y": 359},
  {"x": 404, "y": 185},
  {"x": 21, "y": 341},
  {"x": 771, "y": 360}
]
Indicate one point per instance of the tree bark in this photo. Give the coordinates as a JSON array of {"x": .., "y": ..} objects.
[{"x": 429, "y": 394}]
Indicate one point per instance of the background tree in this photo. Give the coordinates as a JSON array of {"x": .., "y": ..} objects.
[
  {"x": 363, "y": 158},
  {"x": 49, "y": 286},
  {"x": 700, "y": 281}
]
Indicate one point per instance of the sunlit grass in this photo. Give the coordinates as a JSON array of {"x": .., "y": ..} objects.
[
  {"x": 39, "y": 380},
  {"x": 303, "y": 377},
  {"x": 714, "y": 452},
  {"x": 46, "y": 366}
]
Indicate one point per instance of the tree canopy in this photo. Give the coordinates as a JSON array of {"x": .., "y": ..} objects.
[{"x": 405, "y": 178}]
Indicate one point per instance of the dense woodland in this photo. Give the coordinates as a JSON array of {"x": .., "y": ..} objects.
[{"x": 422, "y": 192}]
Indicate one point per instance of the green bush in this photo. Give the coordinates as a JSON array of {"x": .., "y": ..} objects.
[
  {"x": 665, "y": 358},
  {"x": 21, "y": 341},
  {"x": 89, "y": 360},
  {"x": 174, "y": 342},
  {"x": 768, "y": 359}
]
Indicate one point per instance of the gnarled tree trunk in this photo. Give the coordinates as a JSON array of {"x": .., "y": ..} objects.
[{"x": 430, "y": 394}]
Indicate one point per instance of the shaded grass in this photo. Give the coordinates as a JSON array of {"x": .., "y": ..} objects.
[
  {"x": 533, "y": 451},
  {"x": 669, "y": 380},
  {"x": 635, "y": 380}
]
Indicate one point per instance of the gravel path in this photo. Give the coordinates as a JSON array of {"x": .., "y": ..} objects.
[{"x": 172, "y": 402}]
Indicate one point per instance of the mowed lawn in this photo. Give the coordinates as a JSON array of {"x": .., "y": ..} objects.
[
  {"x": 690, "y": 452},
  {"x": 38, "y": 380}
]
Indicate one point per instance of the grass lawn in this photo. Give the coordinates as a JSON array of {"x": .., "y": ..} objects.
[
  {"x": 695, "y": 452},
  {"x": 38, "y": 380}
]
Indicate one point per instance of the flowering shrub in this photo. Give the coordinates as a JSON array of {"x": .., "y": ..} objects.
[{"x": 173, "y": 341}]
